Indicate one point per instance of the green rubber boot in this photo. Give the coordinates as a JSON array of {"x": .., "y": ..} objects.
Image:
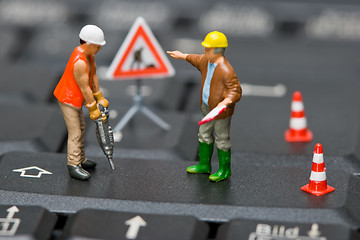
[
  {"x": 205, "y": 153},
  {"x": 224, "y": 166}
]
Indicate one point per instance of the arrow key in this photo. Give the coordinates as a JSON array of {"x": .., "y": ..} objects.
[
  {"x": 100, "y": 224},
  {"x": 26, "y": 222}
]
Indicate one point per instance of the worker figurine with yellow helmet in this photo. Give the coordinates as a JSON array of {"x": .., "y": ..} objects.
[
  {"x": 80, "y": 84},
  {"x": 220, "y": 87}
]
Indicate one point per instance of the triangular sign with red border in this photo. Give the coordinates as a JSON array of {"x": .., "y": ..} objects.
[{"x": 140, "y": 56}]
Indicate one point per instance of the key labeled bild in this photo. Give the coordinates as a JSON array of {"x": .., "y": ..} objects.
[{"x": 272, "y": 230}]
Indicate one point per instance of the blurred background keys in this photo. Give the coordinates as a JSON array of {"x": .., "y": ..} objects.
[
  {"x": 99, "y": 224},
  {"x": 25, "y": 222},
  {"x": 30, "y": 127},
  {"x": 28, "y": 82}
]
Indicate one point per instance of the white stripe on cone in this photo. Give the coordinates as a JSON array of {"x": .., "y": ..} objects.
[
  {"x": 318, "y": 176},
  {"x": 318, "y": 158},
  {"x": 297, "y": 106},
  {"x": 298, "y": 123}
]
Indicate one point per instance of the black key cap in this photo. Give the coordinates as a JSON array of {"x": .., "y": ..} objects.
[
  {"x": 100, "y": 224},
  {"x": 54, "y": 49},
  {"x": 157, "y": 14},
  {"x": 31, "y": 128},
  {"x": 28, "y": 82},
  {"x": 265, "y": 230},
  {"x": 259, "y": 186},
  {"x": 26, "y": 222}
]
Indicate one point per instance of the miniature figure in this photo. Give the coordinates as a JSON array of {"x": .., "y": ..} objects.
[
  {"x": 78, "y": 83},
  {"x": 220, "y": 87}
]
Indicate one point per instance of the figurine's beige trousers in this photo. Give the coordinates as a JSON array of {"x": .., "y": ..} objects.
[
  {"x": 220, "y": 128},
  {"x": 75, "y": 124}
]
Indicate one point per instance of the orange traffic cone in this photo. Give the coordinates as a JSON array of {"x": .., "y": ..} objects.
[
  {"x": 298, "y": 131},
  {"x": 318, "y": 184}
]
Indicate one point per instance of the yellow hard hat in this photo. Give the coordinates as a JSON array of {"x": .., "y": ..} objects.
[{"x": 215, "y": 39}]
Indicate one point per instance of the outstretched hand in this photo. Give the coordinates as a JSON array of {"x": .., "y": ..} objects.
[
  {"x": 226, "y": 102},
  {"x": 177, "y": 54}
]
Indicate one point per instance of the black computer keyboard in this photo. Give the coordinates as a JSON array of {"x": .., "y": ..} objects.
[{"x": 280, "y": 46}]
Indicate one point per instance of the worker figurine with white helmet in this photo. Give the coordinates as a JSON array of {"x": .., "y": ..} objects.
[
  {"x": 220, "y": 87},
  {"x": 78, "y": 84}
]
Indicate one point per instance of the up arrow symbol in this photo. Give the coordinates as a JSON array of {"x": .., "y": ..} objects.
[
  {"x": 11, "y": 212},
  {"x": 134, "y": 225}
]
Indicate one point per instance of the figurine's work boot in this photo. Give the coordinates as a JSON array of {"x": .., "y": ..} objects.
[
  {"x": 78, "y": 173},
  {"x": 205, "y": 153},
  {"x": 89, "y": 164},
  {"x": 224, "y": 166}
]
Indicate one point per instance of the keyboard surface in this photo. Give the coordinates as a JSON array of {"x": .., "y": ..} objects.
[{"x": 275, "y": 47}]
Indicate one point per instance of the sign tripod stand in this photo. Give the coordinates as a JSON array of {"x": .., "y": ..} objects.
[{"x": 138, "y": 106}]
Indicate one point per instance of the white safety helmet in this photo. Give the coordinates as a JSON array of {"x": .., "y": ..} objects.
[{"x": 92, "y": 34}]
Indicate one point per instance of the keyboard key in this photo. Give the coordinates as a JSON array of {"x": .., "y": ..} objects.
[
  {"x": 57, "y": 44},
  {"x": 25, "y": 222},
  {"x": 261, "y": 230},
  {"x": 100, "y": 224},
  {"x": 260, "y": 185},
  {"x": 30, "y": 127},
  {"x": 352, "y": 201},
  {"x": 28, "y": 82},
  {"x": 111, "y": 14},
  {"x": 32, "y": 13}
]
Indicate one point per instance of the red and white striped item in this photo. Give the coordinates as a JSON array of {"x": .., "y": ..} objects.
[
  {"x": 212, "y": 114},
  {"x": 318, "y": 183},
  {"x": 298, "y": 131}
]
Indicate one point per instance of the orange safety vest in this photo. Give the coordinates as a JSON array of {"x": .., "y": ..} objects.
[{"x": 67, "y": 90}]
